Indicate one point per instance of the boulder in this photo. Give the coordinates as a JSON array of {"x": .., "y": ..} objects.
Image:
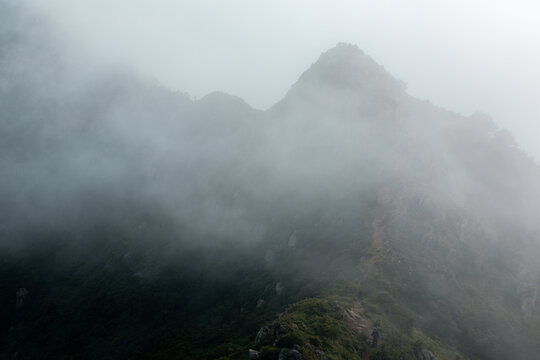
[
  {"x": 428, "y": 355},
  {"x": 253, "y": 355},
  {"x": 289, "y": 354},
  {"x": 279, "y": 289},
  {"x": 279, "y": 329},
  {"x": 292, "y": 240},
  {"x": 425, "y": 354},
  {"x": 316, "y": 353},
  {"x": 264, "y": 336}
]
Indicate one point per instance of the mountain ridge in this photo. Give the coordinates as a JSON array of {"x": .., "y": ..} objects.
[{"x": 157, "y": 227}]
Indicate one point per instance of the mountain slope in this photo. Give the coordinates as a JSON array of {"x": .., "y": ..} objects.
[{"x": 142, "y": 224}]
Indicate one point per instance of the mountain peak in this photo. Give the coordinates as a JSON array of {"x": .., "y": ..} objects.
[
  {"x": 346, "y": 66},
  {"x": 344, "y": 51}
]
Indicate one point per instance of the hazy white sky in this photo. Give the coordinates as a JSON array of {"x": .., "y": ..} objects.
[{"x": 462, "y": 55}]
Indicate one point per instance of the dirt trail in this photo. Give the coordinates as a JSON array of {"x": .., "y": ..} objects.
[
  {"x": 379, "y": 250},
  {"x": 357, "y": 323}
]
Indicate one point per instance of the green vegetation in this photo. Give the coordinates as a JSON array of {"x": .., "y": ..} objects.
[{"x": 204, "y": 303}]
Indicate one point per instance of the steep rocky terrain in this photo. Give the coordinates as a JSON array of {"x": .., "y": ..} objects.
[{"x": 138, "y": 223}]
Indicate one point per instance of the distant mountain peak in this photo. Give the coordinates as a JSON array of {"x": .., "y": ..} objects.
[
  {"x": 220, "y": 98},
  {"x": 343, "y": 54},
  {"x": 346, "y": 66}
]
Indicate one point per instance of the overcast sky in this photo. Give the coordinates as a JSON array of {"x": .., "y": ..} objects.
[{"x": 462, "y": 55}]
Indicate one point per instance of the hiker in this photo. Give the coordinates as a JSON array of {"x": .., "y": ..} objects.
[{"x": 375, "y": 335}]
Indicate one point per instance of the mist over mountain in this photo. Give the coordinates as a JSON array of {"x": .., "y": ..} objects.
[{"x": 138, "y": 223}]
